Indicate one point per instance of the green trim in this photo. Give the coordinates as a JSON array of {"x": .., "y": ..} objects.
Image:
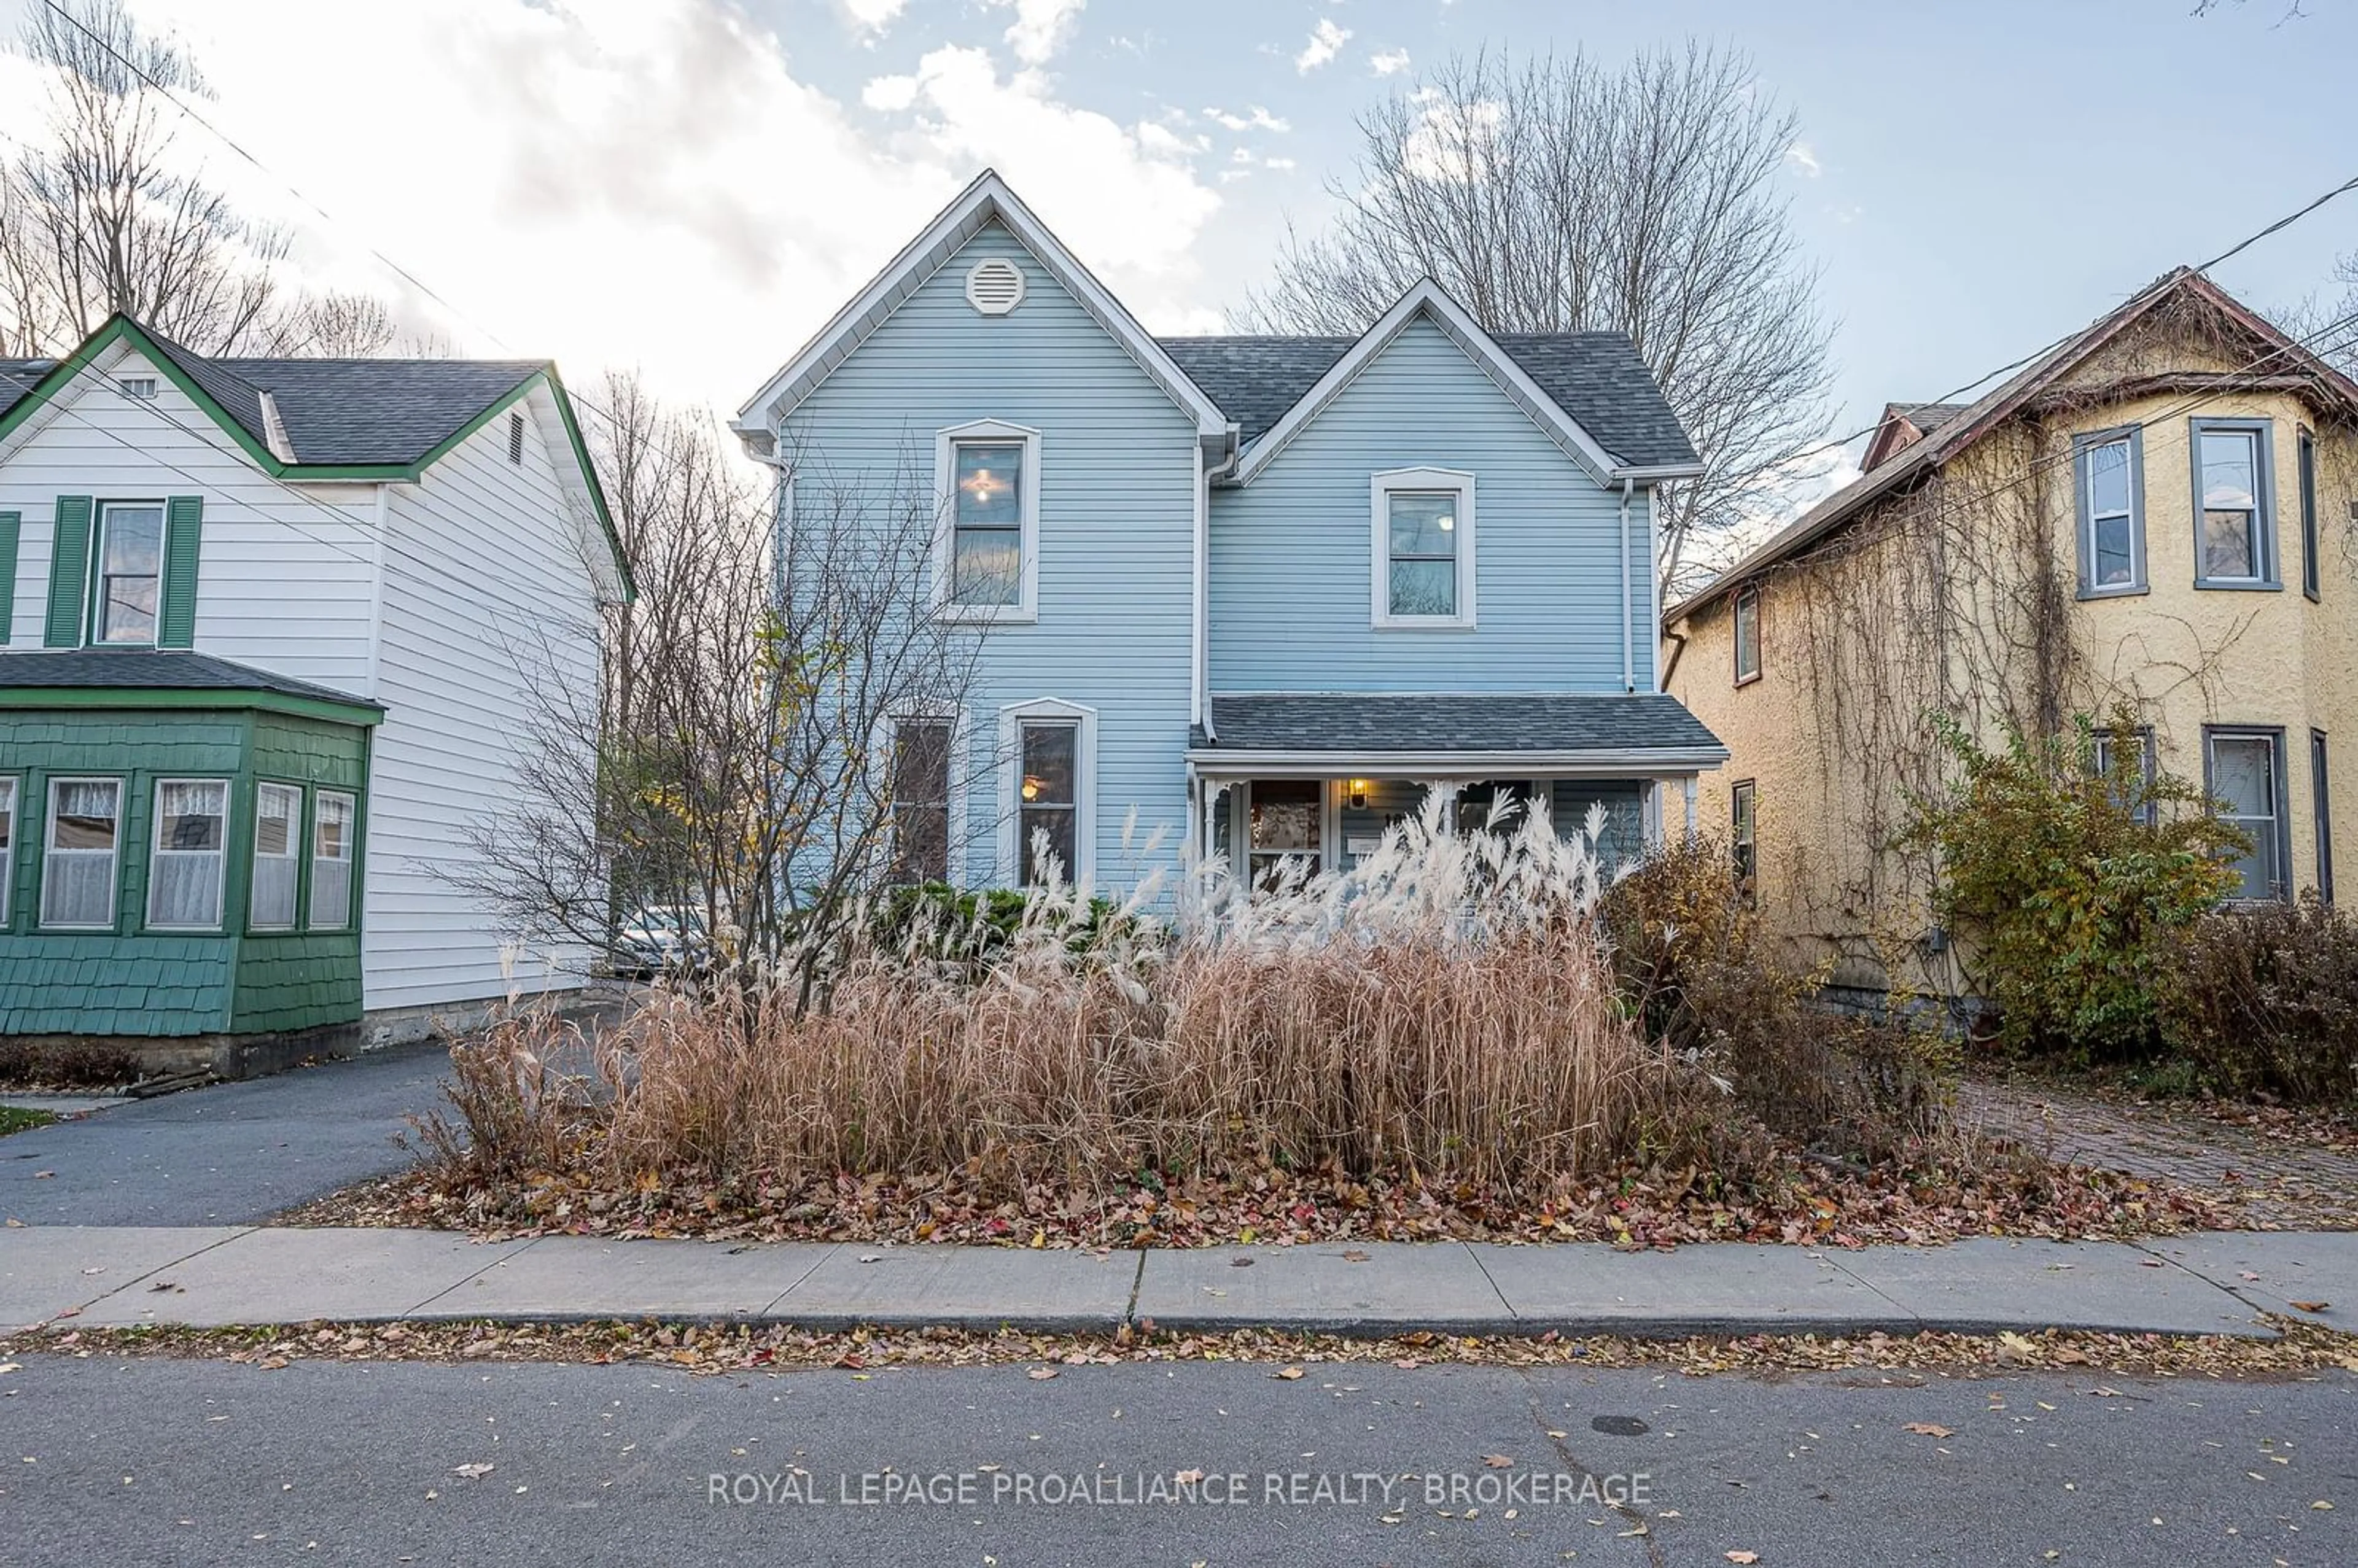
[
  {"x": 364, "y": 715},
  {"x": 11, "y": 526},
  {"x": 120, "y": 329},
  {"x": 69, "y": 539},
  {"x": 176, "y": 584}
]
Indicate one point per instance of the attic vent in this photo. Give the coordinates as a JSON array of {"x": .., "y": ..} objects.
[
  {"x": 140, "y": 386},
  {"x": 994, "y": 286},
  {"x": 515, "y": 439}
]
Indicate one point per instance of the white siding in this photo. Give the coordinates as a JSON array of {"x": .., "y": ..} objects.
[
  {"x": 484, "y": 582},
  {"x": 283, "y": 579}
]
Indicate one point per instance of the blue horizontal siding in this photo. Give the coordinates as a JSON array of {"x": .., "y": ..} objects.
[
  {"x": 1116, "y": 523},
  {"x": 1291, "y": 557}
]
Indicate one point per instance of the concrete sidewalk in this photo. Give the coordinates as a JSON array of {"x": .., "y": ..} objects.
[{"x": 2217, "y": 1283}]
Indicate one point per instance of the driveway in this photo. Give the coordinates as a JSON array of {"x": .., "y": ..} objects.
[{"x": 229, "y": 1154}]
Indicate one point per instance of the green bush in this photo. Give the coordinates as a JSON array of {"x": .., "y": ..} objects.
[
  {"x": 1696, "y": 969},
  {"x": 2263, "y": 1000},
  {"x": 2068, "y": 881},
  {"x": 972, "y": 927}
]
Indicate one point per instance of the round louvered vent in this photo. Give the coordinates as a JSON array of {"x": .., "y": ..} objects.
[{"x": 995, "y": 286}]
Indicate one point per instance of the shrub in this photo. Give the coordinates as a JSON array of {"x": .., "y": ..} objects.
[
  {"x": 2265, "y": 1001},
  {"x": 1699, "y": 975},
  {"x": 1446, "y": 1010},
  {"x": 2068, "y": 890},
  {"x": 971, "y": 928},
  {"x": 65, "y": 1064}
]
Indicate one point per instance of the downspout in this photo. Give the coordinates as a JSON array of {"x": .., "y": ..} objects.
[{"x": 1629, "y": 633}]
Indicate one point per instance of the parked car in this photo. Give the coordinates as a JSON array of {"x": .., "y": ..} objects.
[{"x": 662, "y": 939}]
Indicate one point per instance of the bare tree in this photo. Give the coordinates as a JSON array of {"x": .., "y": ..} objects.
[
  {"x": 740, "y": 757},
  {"x": 1563, "y": 194},
  {"x": 344, "y": 325},
  {"x": 107, "y": 213}
]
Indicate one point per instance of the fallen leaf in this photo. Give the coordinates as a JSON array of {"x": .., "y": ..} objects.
[
  {"x": 2312, "y": 1306},
  {"x": 1188, "y": 1477},
  {"x": 1241, "y": 1262},
  {"x": 1928, "y": 1429},
  {"x": 1041, "y": 1374},
  {"x": 1355, "y": 1256},
  {"x": 472, "y": 1471},
  {"x": 2321, "y": 1505},
  {"x": 1288, "y": 1374},
  {"x": 1496, "y": 1460},
  {"x": 1741, "y": 1556}
]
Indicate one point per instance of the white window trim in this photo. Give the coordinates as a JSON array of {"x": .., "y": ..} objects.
[
  {"x": 12, "y": 792},
  {"x": 94, "y": 585},
  {"x": 1026, "y": 610},
  {"x": 349, "y": 859},
  {"x": 293, "y": 856},
  {"x": 960, "y": 772},
  {"x": 114, "y": 858},
  {"x": 1381, "y": 488},
  {"x": 1083, "y": 873},
  {"x": 157, "y": 851}
]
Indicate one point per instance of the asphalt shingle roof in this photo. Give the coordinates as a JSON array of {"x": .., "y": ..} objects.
[
  {"x": 1371, "y": 722},
  {"x": 1929, "y": 416},
  {"x": 338, "y": 412},
  {"x": 155, "y": 669},
  {"x": 1595, "y": 377}
]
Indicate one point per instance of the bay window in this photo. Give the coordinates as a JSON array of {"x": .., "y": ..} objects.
[
  {"x": 333, "y": 823},
  {"x": 77, "y": 856},
  {"x": 277, "y": 843},
  {"x": 2243, "y": 772},
  {"x": 2108, "y": 473},
  {"x": 2235, "y": 504}
]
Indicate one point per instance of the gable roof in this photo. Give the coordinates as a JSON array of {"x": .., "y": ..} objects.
[
  {"x": 1595, "y": 377},
  {"x": 988, "y": 199},
  {"x": 1960, "y": 429},
  {"x": 1578, "y": 372},
  {"x": 314, "y": 420}
]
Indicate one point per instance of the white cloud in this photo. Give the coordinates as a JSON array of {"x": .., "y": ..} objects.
[
  {"x": 873, "y": 16},
  {"x": 1254, "y": 119},
  {"x": 1801, "y": 156},
  {"x": 1041, "y": 27},
  {"x": 1391, "y": 62},
  {"x": 1279, "y": 163},
  {"x": 1326, "y": 41},
  {"x": 647, "y": 182}
]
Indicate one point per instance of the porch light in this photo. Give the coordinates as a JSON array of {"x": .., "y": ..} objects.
[
  {"x": 1359, "y": 788},
  {"x": 1445, "y": 522}
]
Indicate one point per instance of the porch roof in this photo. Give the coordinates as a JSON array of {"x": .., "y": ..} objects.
[
  {"x": 160, "y": 677},
  {"x": 1368, "y": 732}
]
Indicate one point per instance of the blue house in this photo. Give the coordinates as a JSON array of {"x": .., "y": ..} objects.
[{"x": 1247, "y": 596}]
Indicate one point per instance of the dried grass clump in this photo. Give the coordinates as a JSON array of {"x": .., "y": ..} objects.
[{"x": 1446, "y": 1010}]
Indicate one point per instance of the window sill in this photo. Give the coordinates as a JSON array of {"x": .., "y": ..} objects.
[
  {"x": 2233, "y": 585},
  {"x": 956, "y": 616},
  {"x": 1752, "y": 679},
  {"x": 1420, "y": 623},
  {"x": 2125, "y": 590}
]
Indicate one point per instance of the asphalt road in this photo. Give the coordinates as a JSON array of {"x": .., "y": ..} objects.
[
  {"x": 227, "y": 1154},
  {"x": 160, "y": 1461}
]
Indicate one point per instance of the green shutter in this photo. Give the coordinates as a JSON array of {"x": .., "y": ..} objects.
[
  {"x": 69, "y": 571},
  {"x": 10, "y": 523},
  {"x": 175, "y": 622}
]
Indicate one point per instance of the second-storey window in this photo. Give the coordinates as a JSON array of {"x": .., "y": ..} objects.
[
  {"x": 184, "y": 871},
  {"x": 986, "y": 540},
  {"x": 1424, "y": 536},
  {"x": 2308, "y": 478},
  {"x": 278, "y": 845},
  {"x": 2246, "y": 785},
  {"x": 1050, "y": 807},
  {"x": 2235, "y": 517},
  {"x": 77, "y": 856},
  {"x": 1748, "y": 634},
  {"x": 130, "y": 560},
  {"x": 2107, "y": 469}
]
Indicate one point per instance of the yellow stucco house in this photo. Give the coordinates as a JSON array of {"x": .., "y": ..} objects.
[{"x": 2157, "y": 512}]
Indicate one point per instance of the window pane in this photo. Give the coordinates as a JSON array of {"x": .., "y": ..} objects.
[
  {"x": 1048, "y": 752},
  {"x": 1748, "y": 634},
  {"x": 189, "y": 815},
  {"x": 1424, "y": 525},
  {"x": 1286, "y": 815},
  {"x": 921, "y": 817},
  {"x": 1424, "y": 587},
  {"x": 85, "y": 815},
  {"x": 131, "y": 553},
  {"x": 2228, "y": 480},
  {"x": 2113, "y": 563},
  {"x": 2241, "y": 775},
  {"x": 988, "y": 567},
  {"x": 7, "y": 822},
  {"x": 185, "y": 890},
  {"x": 278, "y": 810},
  {"x": 2108, "y": 479},
  {"x": 1056, "y": 824},
  {"x": 331, "y": 862},
  {"x": 134, "y": 540},
  {"x": 990, "y": 483},
  {"x": 2227, "y": 545},
  {"x": 77, "y": 890}
]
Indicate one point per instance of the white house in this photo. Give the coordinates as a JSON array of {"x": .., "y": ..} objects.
[{"x": 265, "y": 627}]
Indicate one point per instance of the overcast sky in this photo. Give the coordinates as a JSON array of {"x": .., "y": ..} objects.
[{"x": 692, "y": 185}]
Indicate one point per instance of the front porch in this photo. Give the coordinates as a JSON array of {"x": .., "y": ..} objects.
[{"x": 1318, "y": 777}]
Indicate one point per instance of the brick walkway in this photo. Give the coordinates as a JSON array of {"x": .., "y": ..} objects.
[{"x": 2278, "y": 1182}]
